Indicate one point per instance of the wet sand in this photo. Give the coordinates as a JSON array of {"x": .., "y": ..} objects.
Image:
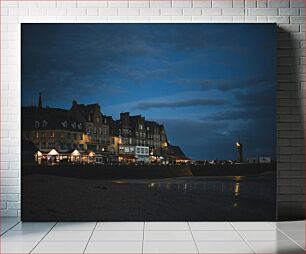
[{"x": 56, "y": 198}]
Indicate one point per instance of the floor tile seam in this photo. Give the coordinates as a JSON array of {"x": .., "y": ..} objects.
[
  {"x": 142, "y": 242},
  {"x": 193, "y": 238},
  {"x": 10, "y": 228},
  {"x": 244, "y": 240},
  {"x": 290, "y": 238},
  {"x": 90, "y": 237},
  {"x": 42, "y": 238}
]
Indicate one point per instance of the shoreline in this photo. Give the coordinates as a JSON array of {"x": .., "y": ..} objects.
[{"x": 111, "y": 172}]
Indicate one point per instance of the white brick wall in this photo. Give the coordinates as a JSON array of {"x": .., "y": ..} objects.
[{"x": 290, "y": 14}]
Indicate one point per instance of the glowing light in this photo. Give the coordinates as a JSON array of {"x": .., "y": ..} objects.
[
  {"x": 75, "y": 153},
  {"x": 237, "y": 189},
  {"x": 39, "y": 153},
  {"x": 53, "y": 152}
]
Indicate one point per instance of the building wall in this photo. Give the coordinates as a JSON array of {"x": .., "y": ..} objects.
[{"x": 288, "y": 14}]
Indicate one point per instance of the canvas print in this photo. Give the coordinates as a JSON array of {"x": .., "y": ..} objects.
[{"x": 155, "y": 122}]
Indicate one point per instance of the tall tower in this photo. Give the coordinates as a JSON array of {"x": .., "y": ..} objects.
[
  {"x": 239, "y": 150},
  {"x": 39, "y": 101}
]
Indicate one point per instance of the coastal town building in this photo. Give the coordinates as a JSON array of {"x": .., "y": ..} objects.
[{"x": 82, "y": 134}]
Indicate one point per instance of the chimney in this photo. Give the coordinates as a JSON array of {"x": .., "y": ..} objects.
[{"x": 125, "y": 118}]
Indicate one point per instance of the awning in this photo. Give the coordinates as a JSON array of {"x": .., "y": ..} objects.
[
  {"x": 127, "y": 156},
  {"x": 183, "y": 158},
  {"x": 91, "y": 154},
  {"x": 38, "y": 153},
  {"x": 75, "y": 153},
  {"x": 53, "y": 152}
]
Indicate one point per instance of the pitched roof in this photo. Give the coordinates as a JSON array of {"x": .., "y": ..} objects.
[{"x": 34, "y": 118}]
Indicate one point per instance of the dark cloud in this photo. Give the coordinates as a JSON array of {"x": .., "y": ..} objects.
[
  {"x": 255, "y": 81},
  {"x": 121, "y": 64},
  {"x": 256, "y": 98},
  {"x": 239, "y": 114},
  {"x": 216, "y": 139},
  {"x": 180, "y": 103}
]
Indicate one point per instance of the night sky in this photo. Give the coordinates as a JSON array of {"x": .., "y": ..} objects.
[{"x": 207, "y": 83}]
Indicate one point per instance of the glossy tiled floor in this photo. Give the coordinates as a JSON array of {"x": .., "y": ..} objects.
[{"x": 152, "y": 237}]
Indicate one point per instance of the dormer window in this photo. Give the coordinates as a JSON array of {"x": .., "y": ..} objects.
[
  {"x": 64, "y": 124},
  {"x": 44, "y": 124},
  {"x": 37, "y": 124},
  {"x": 140, "y": 126}
]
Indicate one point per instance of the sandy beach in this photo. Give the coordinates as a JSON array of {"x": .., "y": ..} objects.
[{"x": 44, "y": 198}]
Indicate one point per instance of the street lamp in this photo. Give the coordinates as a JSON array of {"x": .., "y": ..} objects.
[{"x": 239, "y": 147}]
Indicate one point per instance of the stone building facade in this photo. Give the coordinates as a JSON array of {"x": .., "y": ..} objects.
[{"x": 84, "y": 128}]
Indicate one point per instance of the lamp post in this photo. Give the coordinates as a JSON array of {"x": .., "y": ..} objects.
[{"x": 239, "y": 147}]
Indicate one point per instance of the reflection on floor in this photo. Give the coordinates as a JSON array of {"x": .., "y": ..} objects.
[{"x": 152, "y": 237}]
